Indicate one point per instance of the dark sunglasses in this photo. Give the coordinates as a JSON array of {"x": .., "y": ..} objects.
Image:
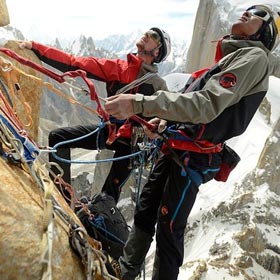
[
  {"x": 263, "y": 15},
  {"x": 154, "y": 36}
]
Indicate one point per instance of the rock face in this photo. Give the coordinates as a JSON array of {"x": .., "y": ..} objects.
[
  {"x": 34, "y": 218},
  {"x": 4, "y": 15},
  {"x": 213, "y": 20},
  {"x": 28, "y": 95},
  {"x": 269, "y": 161},
  {"x": 24, "y": 90},
  {"x": 206, "y": 32},
  {"x": 22, "y": 215},
  {"x": 27, "y": 213}
]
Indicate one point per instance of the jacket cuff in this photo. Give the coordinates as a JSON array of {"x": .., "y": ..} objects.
[
  {"x": 34, "y": 45},
  {"x": 138, "y": 103}
]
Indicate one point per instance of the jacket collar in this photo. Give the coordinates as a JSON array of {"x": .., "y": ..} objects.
[
  {"x": 144, "y": 66},
  {"x": 229, "y": 44}
]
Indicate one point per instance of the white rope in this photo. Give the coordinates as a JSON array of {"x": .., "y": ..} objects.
[{"x": 136, "y": 82}]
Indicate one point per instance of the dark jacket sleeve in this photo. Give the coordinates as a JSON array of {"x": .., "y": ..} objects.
[{"x": 97, "y": 68}]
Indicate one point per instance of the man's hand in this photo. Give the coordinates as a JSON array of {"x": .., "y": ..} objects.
[
  {"x": 159, "y": 124},
  {"x": 120, "y": 106},
  {"x": 25, "y": 45}
]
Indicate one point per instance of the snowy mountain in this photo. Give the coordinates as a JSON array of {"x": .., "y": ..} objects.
[
  {"x": 114, "y": 46},
  {"x": 123, "y": 44}
]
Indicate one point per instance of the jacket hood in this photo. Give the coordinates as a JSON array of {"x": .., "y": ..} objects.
[{"x": 229, "y": 45}]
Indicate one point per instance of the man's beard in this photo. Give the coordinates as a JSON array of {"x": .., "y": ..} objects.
[{"x": 140, "y": 46}]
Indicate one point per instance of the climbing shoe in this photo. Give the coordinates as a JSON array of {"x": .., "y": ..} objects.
[{"x": 112, "y": 266}]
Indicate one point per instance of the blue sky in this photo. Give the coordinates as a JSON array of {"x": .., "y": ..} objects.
[{"x": 47, "y": 20}]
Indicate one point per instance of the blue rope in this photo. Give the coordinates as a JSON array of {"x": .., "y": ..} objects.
[
  {"x": 100, "y": 224},
  {"x": 97, "y": 130},
  {"x": 192, "y": 176},
  {"x": 95, "y": 161},
  {"x": 100, "y": 126},
  {"x": 181, "y": 200}
]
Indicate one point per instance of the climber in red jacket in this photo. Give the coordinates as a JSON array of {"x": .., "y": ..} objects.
[{"x": 152, "y": 48}]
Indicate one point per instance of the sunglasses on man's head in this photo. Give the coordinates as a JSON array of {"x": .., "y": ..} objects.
[
  {"x": 263, "y": 15},
  {"x": 154, "y": 36}
]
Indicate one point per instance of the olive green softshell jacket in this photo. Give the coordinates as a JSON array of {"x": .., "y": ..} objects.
[{"x": 249, "y": 61}]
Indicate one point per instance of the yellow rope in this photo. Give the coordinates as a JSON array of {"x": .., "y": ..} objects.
[
  {"x": 8, "y": 66},
  {"x": 11, "y": 77}
]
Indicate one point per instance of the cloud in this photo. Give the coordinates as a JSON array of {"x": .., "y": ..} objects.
[{"x": 66, "y": 18}]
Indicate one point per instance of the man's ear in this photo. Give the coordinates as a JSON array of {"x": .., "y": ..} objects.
[{"x": 156, "y": 53}]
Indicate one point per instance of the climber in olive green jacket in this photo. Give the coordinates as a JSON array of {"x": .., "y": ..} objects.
[{"x": 218, "y": 104}]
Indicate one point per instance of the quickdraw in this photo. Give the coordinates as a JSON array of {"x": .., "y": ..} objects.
[{"x": 30, "y": 150}]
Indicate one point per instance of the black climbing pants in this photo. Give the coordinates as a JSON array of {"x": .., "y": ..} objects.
[{"x": 166, "y": 201}]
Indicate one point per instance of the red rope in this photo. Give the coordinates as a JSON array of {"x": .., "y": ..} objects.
[
  {"x": 60, "y": 78},
  {"x": 150, "y": 126}
]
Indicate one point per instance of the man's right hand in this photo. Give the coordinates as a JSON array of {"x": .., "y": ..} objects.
[
  {"x": 120, "y": 106},
  {"x": 25, "y": 45}
]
